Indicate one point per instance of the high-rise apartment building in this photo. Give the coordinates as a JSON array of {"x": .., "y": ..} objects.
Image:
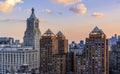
[
  {"x": 48, "y": 47},
  {"x": 59, "y": 63},
  {"x": 78, "y": 57},
  {"x": 59, "y": 58},
  {"x": 97, "y": 61},
  {"x": 79, "y": 62},
  {"x": 53, "y": 50},
  {"x": 115, "y": 58},
  {"x": 62, "y": 43}
]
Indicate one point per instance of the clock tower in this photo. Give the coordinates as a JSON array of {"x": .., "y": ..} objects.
[{"x": 32, "y": 34}]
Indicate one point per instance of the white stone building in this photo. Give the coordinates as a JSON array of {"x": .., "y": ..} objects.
[{"x": 13, "y": 56}]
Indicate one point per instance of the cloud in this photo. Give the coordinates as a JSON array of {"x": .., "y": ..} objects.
[
  {"x": 48, "y": 11},
  {"x": 67, "y": 2},
  {"x": 18, "y": 8},
  {"x": 59, "y": 13},
  {"x": 7, "y": 5},
  {"x": 20, "y": 20},
  {"x": 11, "y": 20},
  {"x": 28, "y": 10},
  {"x": 98, "y": 15},
  {"x": 43, "y": 20},
  {"x": 79, "y": 9}
]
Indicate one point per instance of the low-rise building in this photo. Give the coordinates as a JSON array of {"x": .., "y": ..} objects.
[{"x": 13, "y": 56}]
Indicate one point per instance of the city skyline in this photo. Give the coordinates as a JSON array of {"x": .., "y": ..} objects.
[{"x": 66, "y": 16}]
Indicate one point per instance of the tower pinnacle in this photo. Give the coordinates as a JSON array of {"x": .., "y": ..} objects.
[
  {"x": 32, "y": 14},
  {"x": 32, "y": 10}
]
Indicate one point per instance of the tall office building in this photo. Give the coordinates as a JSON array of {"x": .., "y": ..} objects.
[
  {"x": 48, "y": 47},
  {"x": 97, "y": 61},
  {"x": 32, "y": 34}
]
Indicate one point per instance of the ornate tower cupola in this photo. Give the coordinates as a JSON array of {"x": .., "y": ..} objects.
[{"x": 32, "y": 34}]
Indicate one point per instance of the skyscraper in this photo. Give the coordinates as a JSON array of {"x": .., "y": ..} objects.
[
  {"x": 97, "y": 53},
  {"x": 32, "y": 34}
]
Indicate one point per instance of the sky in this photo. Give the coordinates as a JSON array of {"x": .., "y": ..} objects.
[{"x": 75, "y": 18}]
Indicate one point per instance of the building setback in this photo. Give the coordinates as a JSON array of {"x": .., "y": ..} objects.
[{"x": 97, "y": 61}]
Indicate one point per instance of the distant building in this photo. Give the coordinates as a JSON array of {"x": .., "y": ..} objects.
[
  {"x": 74, "y": 47},
  {"x": 13, "y": 56},
  {"x": 115, "y": 58},
  {"x": 8, "y": 40},
  {"x": 48, "y": 47},
  {"x": 113, "y": 40},
  {"x": 77, "y": 57},
  {"x": 81, "y": 44},
  {"x": 97, "y": 59}
]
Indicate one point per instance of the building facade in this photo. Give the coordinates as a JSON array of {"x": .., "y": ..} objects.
[
  {"x": 13, "y": 56},
  {"x": 115, "y": 58},
  {"x": 32, "y": 34},
  {"x": 79, "y": 63},
  {"x": 59, "y": 58},
  {"x": 78, "y": 57},
  {"x": 59, "y": 63},
  {"x": 97, "y": 61},
  {"x": 48, "y": 47}
]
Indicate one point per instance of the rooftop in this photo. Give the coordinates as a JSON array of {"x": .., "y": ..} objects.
[
  {"x": 96, "y": 30},
  {"x": 32, "y": 14},
  {"x": 48, "y": 33},
  {"x": 59, "y": 34},
  {"x": 14, "y": 48}
]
